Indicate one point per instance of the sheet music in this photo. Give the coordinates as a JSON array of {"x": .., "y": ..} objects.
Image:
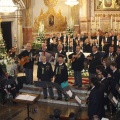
[
  {"x": 115, "y": 100},
  {"x": 78, "y": 99},
  {"x": 69, "y": 93},
  {"x": 104, "y": 119},
  {"x": 31, "y": 98},
  {"x": 26, "y": 97}
]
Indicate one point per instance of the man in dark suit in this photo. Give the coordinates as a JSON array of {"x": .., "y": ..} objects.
[
  {"x": 94, "y": 61},
  {"x": 45, "y": 73},
  {"x": 105, "y": 83},
  {"x": 95, "y": 100},
  {"x": 115, "y": 78},
  {"x": 77, "y": 59},
  {"x": 110, "y": 55},
  {"x": 118, "y": 58},
  {"x": 61, "y": 75},
  {"x": 107, "y": 42},
  {"x": 99, "y": 38}
]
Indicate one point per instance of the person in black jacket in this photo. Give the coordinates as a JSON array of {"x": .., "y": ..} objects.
[
  {"x": 77, "y": 59},
  {"x": 3, "y": 93},
  {"x": 61, "y": 75},
  {"x": 28, "y": 66},
  {"x": 45, "y": 73},
  {"x": 94, "y": 60},
  {"x": 105, "y": 82},
  {"x": 118, "y": 58},
  {"x": 95, "y": 100},
  {"x": 114, "y": 80}
]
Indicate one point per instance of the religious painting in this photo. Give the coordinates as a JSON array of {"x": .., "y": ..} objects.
[
  {"x": 51, "y": 20},
  {"x": 107, "y": 5}
]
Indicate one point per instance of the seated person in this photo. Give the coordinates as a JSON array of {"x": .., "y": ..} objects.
[
  {"x": 11, "y": 88},
  {"x": 12, "y": 52}
]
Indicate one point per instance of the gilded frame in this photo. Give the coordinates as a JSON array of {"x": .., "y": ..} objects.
[{"x": 107, "y": 5}]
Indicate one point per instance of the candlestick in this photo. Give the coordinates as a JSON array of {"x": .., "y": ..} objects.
[
  {"x": 115, "y": 22},
  {"x": 99, "y": 21},
  {"x": 111, "y": 21}
]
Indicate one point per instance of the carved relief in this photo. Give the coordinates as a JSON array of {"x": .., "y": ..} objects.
[
  {"x": 107, "y": 5},
  {"x": 52, "y": 20}
]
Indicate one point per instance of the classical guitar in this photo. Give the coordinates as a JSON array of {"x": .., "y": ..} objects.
[
  {"x": 77, "y": 56},
  {"x": 26, "y": 59}
]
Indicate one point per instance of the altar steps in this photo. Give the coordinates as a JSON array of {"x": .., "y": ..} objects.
[{"x": 81, "y": 93}]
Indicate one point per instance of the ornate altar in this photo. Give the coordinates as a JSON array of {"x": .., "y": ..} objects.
[{"x": 53, "y": 21}]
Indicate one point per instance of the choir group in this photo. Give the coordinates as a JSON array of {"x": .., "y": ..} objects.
[{"x": 103, "y": 66}]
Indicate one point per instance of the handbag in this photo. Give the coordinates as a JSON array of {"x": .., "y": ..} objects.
[{"x": 64, "y": 84}]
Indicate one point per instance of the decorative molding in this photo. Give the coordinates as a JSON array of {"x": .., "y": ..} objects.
[{"x": 50, "y": 3}]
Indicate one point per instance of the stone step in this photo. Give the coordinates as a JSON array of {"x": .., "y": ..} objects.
[
  {"x": 82, "y": 96},
  {"x": 81, "y": 93},
  {"x": 71, "y": 102},
  {"x": 74, "y": 89}
]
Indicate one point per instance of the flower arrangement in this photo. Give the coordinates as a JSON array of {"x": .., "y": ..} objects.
[{"x": 70, "y": 29}]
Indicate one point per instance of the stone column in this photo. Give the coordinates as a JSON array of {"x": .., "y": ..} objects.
[{"x": 27, "y": 25}]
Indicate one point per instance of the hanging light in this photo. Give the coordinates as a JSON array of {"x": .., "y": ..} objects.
[
  {"x": 71, "y": 2},
  {"x": 7, "y": 6}
]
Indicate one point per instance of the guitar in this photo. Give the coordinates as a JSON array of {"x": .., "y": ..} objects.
[
  {"x": 26, "y": 59},
  {"x": 77, "y": 56}
]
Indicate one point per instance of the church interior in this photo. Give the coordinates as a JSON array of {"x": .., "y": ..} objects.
[{"x": 92, "y": 26}]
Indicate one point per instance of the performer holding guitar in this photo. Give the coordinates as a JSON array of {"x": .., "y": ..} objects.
[
  {"x": 27, "y": 60},
  {"x": 77, "y": 59}
]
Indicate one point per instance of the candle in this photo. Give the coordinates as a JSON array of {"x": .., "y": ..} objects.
[
  {"x": 91, "y": 21},
  {"x": 99, "y": 21},
  {"x": 111, "y": 21},
  {"x": 95, "y": 21},
  {"x": 115, "y": 22}
]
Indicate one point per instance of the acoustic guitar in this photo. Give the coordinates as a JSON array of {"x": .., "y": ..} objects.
[
  {"x": 74, "y": 58},
  {"x": 24, "y": 60}
]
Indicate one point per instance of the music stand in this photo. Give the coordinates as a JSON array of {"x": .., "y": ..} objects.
[
  {"x": 69, "y": 92},
  {"x": 113, "y": 99},
  {"x": 40, "y": 84},
  {"x": 27, "y": 99}
]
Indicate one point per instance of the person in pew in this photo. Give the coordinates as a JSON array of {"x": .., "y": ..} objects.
[
  {"x": 11, "y": 88},
  {"x": 12, "y": 52},
  {"x": 95, "y": 101},
  {"x": 61, "y": 75},
  {"x": 27, "y": 58},
  {"x": 3, "y": 93},
  {"x": 45, "y": 73},
  {"x": 2, "y": 73}
]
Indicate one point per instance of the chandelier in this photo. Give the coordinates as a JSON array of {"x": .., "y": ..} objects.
[
  {"x": 7, "y": 6},
  {"x": 71, "y": 2}
]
